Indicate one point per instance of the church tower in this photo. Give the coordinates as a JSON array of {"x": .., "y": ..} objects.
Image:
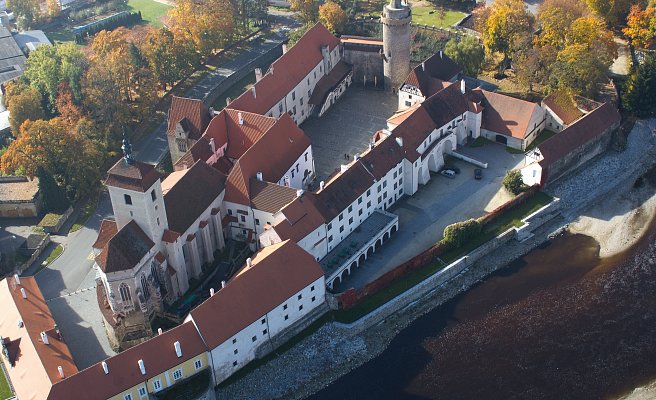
[{"x": 396, "y": 43}]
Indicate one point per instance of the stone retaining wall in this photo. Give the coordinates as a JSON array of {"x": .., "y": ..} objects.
[{"x": 37, "y": 252}]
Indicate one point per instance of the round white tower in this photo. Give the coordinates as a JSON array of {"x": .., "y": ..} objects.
[{"x": 396, "y": 43}]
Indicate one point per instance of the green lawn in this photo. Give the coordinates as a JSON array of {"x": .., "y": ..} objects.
[
  {"x": 151, "y": 11},
  {"x": 61, "y": 36},
  {"x": 55, "y": 253},
  {"x": 5, "y": 391},
  {"x": 429, "y": 16},
  {"x": 546, "y": 134}
]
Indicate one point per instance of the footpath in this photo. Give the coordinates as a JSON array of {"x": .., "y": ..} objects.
[{"x": 335, "y": 349}]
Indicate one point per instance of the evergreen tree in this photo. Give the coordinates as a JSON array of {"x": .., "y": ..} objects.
[
  {"x": 640, "y": 91},
  {"x": 54, "y": 197}
]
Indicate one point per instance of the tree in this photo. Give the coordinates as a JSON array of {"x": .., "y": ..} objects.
[
  {"x": 513, "y": 181},
  {"x": 54, "y": 197},
  {"x": 209, "y": 24},
  {"x": 332, "y": 16},
  {"x": 297, "y": 34},
  {"x": 68, "y": 111},
  {"x": 27, "y": 12},
  {"x": 169, "y": 59},
  {"x": 641, "y": 26},
  {"x": 23, "y": 106},
  {"x": 70, "y": 157},
  {"x": 457, "y": 234},
  {"x": 614, "y": 12},
  {"x": 505, "y": 23},
  {"x": 555, "y": 18},
  {"x": 467, "y": 52},
  {"x": 308, "y": 10},
  {"x": 54, "y": 9},
  {"x": 640, "y": 91}
]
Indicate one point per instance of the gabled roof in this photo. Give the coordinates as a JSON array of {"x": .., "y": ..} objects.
[
  {"x": 507, "y": 115},
  {"x": 18, "y": 188},
  {"x": 125, "y": 249},
  {"x": 270, "y": 197},
  {"x": 328, "y": 82},
  {"x": 188, "y": 193},
  {"x": 579, "y": 133},
  {"x": 158, "y": 355},
  {"x": 287, "y": 71},
  {"x": 343, "y": 189},
  {"x": 562, "y": 104},
  {"x": 302, "y": 217},
  {"x": 402, "y": 115},
  {"x": 35, "y": 363},
  {"x": 433, "y": 75},
  {"x": 273, "y": 154},
  {"x": 137, "y": 176},
  {"x": 107, "y": 230},
  {"x": 277, "y": 273},
  {"x": 192, "y": 114}
]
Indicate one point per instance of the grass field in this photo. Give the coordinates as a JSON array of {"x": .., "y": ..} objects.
[
  {"x": 5, "y": 392},
  {"x": 429, "y": 16},
  {"x": 60, "y": 36},
  {"x": 151, "y": 11},
  {"x": 55, "y": 253}
]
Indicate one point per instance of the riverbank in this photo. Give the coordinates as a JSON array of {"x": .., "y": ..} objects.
[{"x": 334, "y": 350}]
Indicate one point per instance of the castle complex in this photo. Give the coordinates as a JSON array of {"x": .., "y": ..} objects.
[{"x": 247, "y": 174}]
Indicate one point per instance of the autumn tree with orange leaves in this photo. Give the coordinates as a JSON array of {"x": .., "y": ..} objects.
[
  {"x": 332, "y": 16},
  {"x": 641, "y": 26},
  {"x": 208, "y": 24}
]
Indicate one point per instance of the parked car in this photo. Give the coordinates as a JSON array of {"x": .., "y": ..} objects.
[
  {"x": 448, "y": 173},
  {"x": 452, "y": 168},
  {"x": 478, "y": 174}
]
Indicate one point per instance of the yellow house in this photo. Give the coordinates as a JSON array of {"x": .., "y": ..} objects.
[{"x": 150, "y": 367}]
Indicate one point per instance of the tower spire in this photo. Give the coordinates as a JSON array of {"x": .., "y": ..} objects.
[{"x": 127, "y": 149}]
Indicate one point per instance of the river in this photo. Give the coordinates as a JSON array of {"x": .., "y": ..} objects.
[{"x": 559, "y": 323}]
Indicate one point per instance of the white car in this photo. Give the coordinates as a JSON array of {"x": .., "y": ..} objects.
[{"x": 448, "y": 173}]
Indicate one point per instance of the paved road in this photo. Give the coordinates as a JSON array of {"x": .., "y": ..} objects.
[{"x": 154, "y": 147}]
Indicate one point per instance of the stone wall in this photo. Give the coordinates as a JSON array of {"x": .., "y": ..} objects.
[
  {"x": 37, "y": 252},
  {"x": 367, "y": 67}
]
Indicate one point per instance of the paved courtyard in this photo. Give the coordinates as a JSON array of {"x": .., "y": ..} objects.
[
  {"x": 443, "y": 201},
  {"x": 347, "y": 128}
]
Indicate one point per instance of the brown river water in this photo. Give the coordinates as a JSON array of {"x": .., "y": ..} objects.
[{"x": 559, "y": 323}]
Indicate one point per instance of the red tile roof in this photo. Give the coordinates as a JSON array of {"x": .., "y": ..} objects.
[
  {"x": 270, "y": 197},
  {"x": 137, "y": 176},
  {"x": 579, "y": 133},
  {"x": 169, "y": 236},
  {"x": 125, "y": 249},
  {"x": 35, "y": 363},
  {"x": 192, "y": 191},
  {"x": 108, "y": 229},
  {"x": 433, "y": 75},
  {"x": 302, "y": 217},
  {"x": 192, "y": 113},
  {"x": 383, "y": 157},
  {"x": 329, "y": 82},
  {"x": 507, "y": 115},
  {"x": 158, "y": 355},
  {"x": 286, "y": 72},
  {"x": 273, "y": 154},
  {"x": 343, "y": 189},
  {"x": 277, "y": 273},
  {"x": 562, "y": 104}
]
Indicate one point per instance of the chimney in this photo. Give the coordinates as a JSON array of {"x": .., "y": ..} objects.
[
  {"x": 259, "y": 176},
  {"x": 462, "y": 86},
  {"x": 299, "y": 193},
  {"x": 399, "y": 141},
  {"x": 321, "y": 185},
  {"x": 24, "y": 293},
  {"x": 228, "y": 101},
  {"x": 142, "y": 367},
  {"x": 178, "y": 349},
  {"x": 249, "y": 262},
  {"x": 343, "y": 168},
  {"x": 241, "y": 118},
  {"x": 20, "y": 323},
  {"x": 212, "y": 145},
  {"x": 423, "y": 66},
  {"x": 284, "y": 48},
  {"x": 17, "y": 279},
  {"x": 211, "y": 291},
  {"x": 258, "y": 74},
  {"x": 105, "y": 368},
  {"x": 223, "y": 283},
  {"x": 61, "y": 372},
  {"x": 254, "y": 92},
  {"x": 159, "y": 331},
  {"x": 44, "y": 337}
]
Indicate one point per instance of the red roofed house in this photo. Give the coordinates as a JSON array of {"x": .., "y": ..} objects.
[
  {"x": 34, "y": 353},
  {"x": 280, "y": 291},
  {"x": 428, "y": 78},
  {"x": 187, "y": 120}
]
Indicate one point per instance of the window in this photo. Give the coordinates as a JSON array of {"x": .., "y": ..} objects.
[
  {"x": 263, "y": 321},
  {"x": 236, "y": 351},
  {"x": 182, "y": 144},
  {"x": 341, "y": 229},
  {"x": 293, "y": 97},
  {"x": 368, "y": 192},
  {"x": 341, "y": 217},
  {"x": 144, "y": 286},
  {"x": 308, "y": 81},
  {"x": 312, "y": 288},
  {"x": 360, "y": 212},
  {"x": 286, "y": 317},
  {"x": 385, "y": 184},
  {"x": 305, "y": 156},
  {"x": 142, "y": 391},
  {"x": 243, "y": 218},
  {"x": 128, "y": 396},
  {"x": 234, "y": 340},
  {"x": 157, "y": 385},
  {"x": 254, "y": 338},
  {"x": 394, "y": 176},
  {"x": 292, "y": 174},
  {"x": 385, "y": 195},
  {"x": 264, "y": 332},
  {"x": 378, "y": 189},
  {"x": 300, "y": 296},
  {"x": 408, "y": 103},
  {"x": 360, "y": 200},
  {"x": 154, "y": 272},
  {"x": 229, "y": 212},
  {"x": 330, "y": 238},
  {"x": 309, "y": 92},
  {"x": 234, "y": 363},
  {"x": 157, "y": 221},
  {"x": 395, "y": 184},
  {"x": 284, "y": 307},
  {"x": 313, "y": 298},
  {"x": 315, "y": 74},
  {"x": 379, "y": 199},
  {"x": 320, "y": 68},
  {"x": 368, "y": 204},
  {"x": 124, "y": 290},
  {"x": 280, "y": 108},
  {"x": 330, "y": 226},
  {"x": 198, "y": 364},
  {"x": 301, "y": 101},
  {"x": 177, "y": 374},
  {"x": 300, "y": 307},
  {"x": 128, "y": 199},
  {"x": 257, "y": 221},
  {"x": 294, "y": 110},
  {"x": 350, "y": 220}
]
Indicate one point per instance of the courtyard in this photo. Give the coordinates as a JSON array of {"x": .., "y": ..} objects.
[{"x": 347, "y": 128}]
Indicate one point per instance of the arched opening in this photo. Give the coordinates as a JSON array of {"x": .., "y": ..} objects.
[
  {"x": 354, "y": 265},
  {"x": 336, "y": 282},
  {"x": 501, "y": 139},
  {"x": 362, "y": 259},
  {"x": 370, "y": 251},
  {"x": 394, "y": 229},
  {"x": 379, "y": 243},
  {"x": 385, "y": 237}
]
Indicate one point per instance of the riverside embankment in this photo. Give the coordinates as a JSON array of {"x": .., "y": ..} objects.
[{"x": 335, "y": 350}]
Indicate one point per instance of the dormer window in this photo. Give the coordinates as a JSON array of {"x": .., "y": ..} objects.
[
  {"x": 153, "y": 195},
  {"x": 128, "y": 199}
]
